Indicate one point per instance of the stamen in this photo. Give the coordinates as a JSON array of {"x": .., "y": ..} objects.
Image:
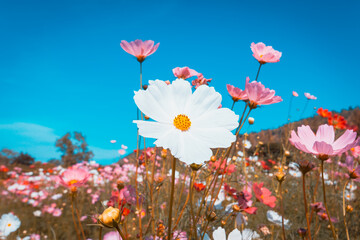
[{"x": 182, "y": 122}]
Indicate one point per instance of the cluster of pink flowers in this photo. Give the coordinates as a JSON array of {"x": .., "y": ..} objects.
[{"x": 186, "y": 72}]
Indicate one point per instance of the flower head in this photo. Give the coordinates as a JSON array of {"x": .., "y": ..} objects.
[
  {"x": 337, "y": 121},
  {"x": 265, "y": 54},
  {"x": 8, "y": 223},
  {"x": 264, "y": 195},
  {"x": 323, "y": 144},
  {"x": 245, "y": 234},
  {"x": 140, "y": 49},
  {"x": 200, "y": 80},
  {"x": 187, "y": 123},
  {"x": 73, "y": 177},
  {"x": 236, "y": 93},
  {"x": 259, "y": 95},
  {"x": 323, "y": 112},
  {"x": 295, "y": 94},
  {"x": 309, "y": 96},
  {"x": 353, "y": 170},
  {"x": 184, "y": 72}
]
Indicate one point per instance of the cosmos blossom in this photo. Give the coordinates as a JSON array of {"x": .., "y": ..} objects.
[
  {"x": 323, "y": 144},
  {"x": 352, "y": 167},
  {"x": 259, "y": 95},
  {"x": 188, "y": 123},
  {"x": 265, "y": 54},
  {"x": 323, "y": 112},
  {"x": 73, "y": 177},
  {"x": 184, "y": 72},
  {"x": 295, "y": 94},
  {"x": 200, "y": 80},
  {"x": 309, "y": 96},
  {"x": 8, "y": 223},
  {"x": 140, "y": 49},
  {"x": 219, "y": 234},
  {"x": 264, "y": 195},
  {"x": 236, "y": 93}
]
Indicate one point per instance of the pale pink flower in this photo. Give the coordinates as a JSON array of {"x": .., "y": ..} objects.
[
  {"x": 73, "y": 177},
  {"x": 323, "y": 144},
  {"x": 121, "y": 151},
  {"x": 57, "y": 212},
  {"x": 114, "y": 235},
  {"x": 140, "y": 49},
  {"x": 236, "y": 93},
  {"x": 200, "y": 80},
  {"x": 265, "y": 54},
  {"x": 184, "y": 72},
  {"x": 259, "y": 95},
  {"x": 355, "y": 151},
  {"x": 295, "y": 94},
  {"x": 309, "y": 96}
]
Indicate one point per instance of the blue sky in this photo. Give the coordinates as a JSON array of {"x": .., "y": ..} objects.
[{"x": 62, "y": 69}]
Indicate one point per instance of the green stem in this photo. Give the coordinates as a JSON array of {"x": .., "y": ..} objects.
[{"x": 257, "y": 75}]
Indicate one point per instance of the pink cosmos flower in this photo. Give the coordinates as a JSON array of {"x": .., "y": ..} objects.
[
  {"x": 236, "y": 93},
  {"x": 184, "y": 72},
  {"x": 309, "y": 96},
  {"x": 323, "y": 144},
  {"x": 259, "y": 95},
  {"x": 200, "y": 80},
  {"x": 353, "y": 170},
  {"x": 265, "y": 54},
  {"x": 295, "y": 94},
  {"x": 264, "y": 195},
  {"x": 73, "y": 177},
  {"x": 57, "y": 212},
  {"x": 113, "y": 235},
  {"x": 355, "y": 151},
  {"x": 140, "y": 49}
]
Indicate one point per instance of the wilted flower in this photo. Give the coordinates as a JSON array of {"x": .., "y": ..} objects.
[
  {"x": 184, "y": 72},
  {"x": 140, "y": 49},
  {"x": 259, "y": 95},
  {"x": 187, "y": 123},
  {"x": 305, "y": 166},
  {"x": 265, "y": 54},
  {"x": 108, "y": 216},
  {"x": 309, "y": 96},
  {"x": 322, "y": 144},
  {"x": 8, "y": 223}
]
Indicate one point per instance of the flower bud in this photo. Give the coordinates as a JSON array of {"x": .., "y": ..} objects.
[
  {"x": 213, "y": 158},
  {"x": 107, "y": 217},
  {"x": 195, "y": 167},
  {"x": 349, "y": 208},
  {"x": 251, "y": 120},
  {"x": 212, "y": 216},
  {"x": 236, "y": 208},
  {"x": 287, "y": 153}
]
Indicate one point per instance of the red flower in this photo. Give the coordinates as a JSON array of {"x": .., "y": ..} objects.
[
  {"x": 337, "y": 121},
  {"x": 264, "y": 195},
  {"x": 199, "y": 186},
  {"x": 324, "y": 113}
]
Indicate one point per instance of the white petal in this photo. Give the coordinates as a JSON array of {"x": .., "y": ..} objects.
[
  {"x": 235, "y": 235},
  {"x": 222, "y": 117},
  {"x": 214, "y": 137},
  {"x": 155, "y": 101},
  {"x": 204, "y": 99},
  {"x": 171, "y": 140},
  {"x": 193, "y": 150},
  {"x": 219, "y": 234},
  {"x": 153, "y": 129},
  {"x": 181, "y": 94}
]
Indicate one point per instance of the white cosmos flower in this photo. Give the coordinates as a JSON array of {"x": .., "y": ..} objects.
[
  {"x": 8, "y": 223},
  {"x": 246, "y": 234},
  {"x": 187, "y": 123},
  {"x": 274, "y": 217}
]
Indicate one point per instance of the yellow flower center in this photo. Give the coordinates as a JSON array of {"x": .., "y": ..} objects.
[
  {"x": 9, "y": 224},
  {"x": 261, "y": 56},
  {"x": 182, "y": 122},
  {"x": 73, "y": 182}
]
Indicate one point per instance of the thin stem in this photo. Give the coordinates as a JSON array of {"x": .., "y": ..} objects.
[
  {"x": 100, "y": 233},
  {"x": 242, "y": 124},
  {"x": 306, "y": 207},
  {"x": 282, "y": 212},
  {"x": 80, "y": 226},
  {"x": 193, "y": 219},
  {"x": 291, "y": 99},
  {"x": 119, "y": 231},
  {"x": 324, "y": 193},
  {"x": 257, "y": 75},
  {"x": 307, "y": 102},
  {"x": 232, "y": 107},
  {"x": 73, "y": 216},
  {"x": 171, "y": 201},
  {"x": 344, "y": 211}
]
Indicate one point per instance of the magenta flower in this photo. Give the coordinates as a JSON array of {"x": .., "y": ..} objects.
[
  {"x": 140, "y": 49},
  {"x": 236, "y": 93},
  {"x": 323, "y": 144},
  {"x": 295, "y": 94},
  {"x": 265, "y": 54},
  {"x": 184, "y": 72},
  {"x": 259, "y": 95},
  {"x": 309, "y": 96},
  {"x": 73, "y": 177}
]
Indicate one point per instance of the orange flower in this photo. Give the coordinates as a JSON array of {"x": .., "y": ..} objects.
[
  {"x": 323, "y": 112},
  {"x": 337, "y": 121},
  {"x": 199, "y": 186}
]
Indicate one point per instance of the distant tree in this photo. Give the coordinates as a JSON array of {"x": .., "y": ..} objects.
[
  {"x": 74, "y": 149},
  {"x": 24, "y": 159},
  {"x": 54, "y": 161},
  {"x": 7, "y": 156}
]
